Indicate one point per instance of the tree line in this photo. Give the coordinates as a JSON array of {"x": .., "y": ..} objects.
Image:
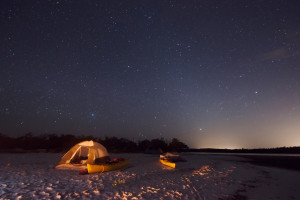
[{"x": 62, "y": 143}]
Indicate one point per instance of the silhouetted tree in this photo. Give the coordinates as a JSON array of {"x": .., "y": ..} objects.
[
  {"x": 159, "y": 143},
  {"x": 112, "y": 144},
  {"x": 127, "y": 146},
  {"x": 176, "y": 145},
  {"x": 143, "y": 145},
  {"x": 6, "y": 142},
  {"x": 67, "y": 141}
]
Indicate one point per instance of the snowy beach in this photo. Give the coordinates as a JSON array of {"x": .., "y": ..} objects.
[{"x": 32, "y": 176}]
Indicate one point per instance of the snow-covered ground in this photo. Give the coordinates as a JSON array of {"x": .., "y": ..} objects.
[{"x": 32, "y": 176}]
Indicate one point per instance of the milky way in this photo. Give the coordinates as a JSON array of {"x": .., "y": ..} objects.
[{"x": 211, "y": 73}]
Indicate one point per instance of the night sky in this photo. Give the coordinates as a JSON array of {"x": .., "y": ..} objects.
[{"x": 221, "y": 74}]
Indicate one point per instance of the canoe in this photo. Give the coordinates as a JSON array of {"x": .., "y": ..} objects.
[
  {"x": 107, "y": 167},
  {"x": 168, "y": 163}
]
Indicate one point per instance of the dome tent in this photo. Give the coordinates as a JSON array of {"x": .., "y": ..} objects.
[{"x": 83, "y": 153}]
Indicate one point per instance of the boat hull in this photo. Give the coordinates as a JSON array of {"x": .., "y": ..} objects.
[
  {"x": 167, "y": 163},
  {"x": 106, "y": 167}
]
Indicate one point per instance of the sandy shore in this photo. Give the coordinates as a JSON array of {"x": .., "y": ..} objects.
[{"x": 32, "y": 176}]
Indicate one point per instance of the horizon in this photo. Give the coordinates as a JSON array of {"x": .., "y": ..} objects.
[
  {"x": 167, "y": 140},
  {"x": 212, "y": 74}
]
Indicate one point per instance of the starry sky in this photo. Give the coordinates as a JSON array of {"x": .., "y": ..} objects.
[{"x": 219, "y": 74}]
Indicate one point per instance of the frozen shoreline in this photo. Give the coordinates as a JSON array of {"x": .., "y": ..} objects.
[{"x": 32, "y": 176}]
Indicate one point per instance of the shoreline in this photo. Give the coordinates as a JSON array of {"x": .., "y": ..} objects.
[{"x": 278, "y": 161}]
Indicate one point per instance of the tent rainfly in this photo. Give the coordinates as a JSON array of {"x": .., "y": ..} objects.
[{"x": 83, "y": 153}]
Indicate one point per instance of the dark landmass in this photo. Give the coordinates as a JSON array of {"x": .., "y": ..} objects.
[
  {"x": 285, "y": 162},
  {"x": 62, "y": 143},
  {"x": 278, "y": 150}
]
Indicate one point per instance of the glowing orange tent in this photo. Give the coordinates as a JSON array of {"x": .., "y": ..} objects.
[{"x": 83, "y": 153}]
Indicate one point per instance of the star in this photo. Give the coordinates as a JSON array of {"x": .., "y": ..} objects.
[{"x": 133, "y": 67}]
